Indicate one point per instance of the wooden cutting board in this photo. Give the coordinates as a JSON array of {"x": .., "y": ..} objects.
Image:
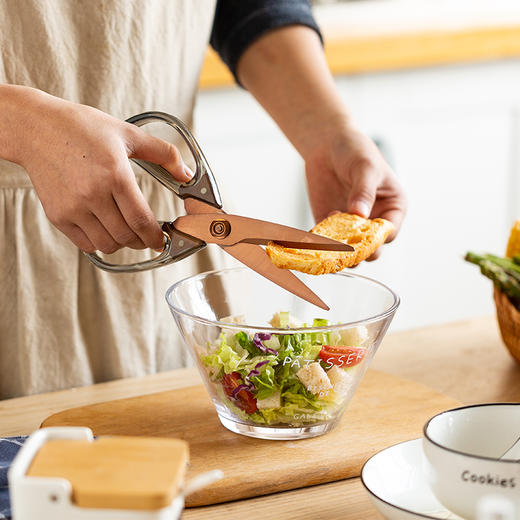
[{"x": 385, "y": 410}]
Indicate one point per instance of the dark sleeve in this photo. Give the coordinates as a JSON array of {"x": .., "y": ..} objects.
[{"x": 238, "y": 23}]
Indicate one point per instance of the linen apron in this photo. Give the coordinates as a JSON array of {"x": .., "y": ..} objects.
[{"x": 64, "y": 322}]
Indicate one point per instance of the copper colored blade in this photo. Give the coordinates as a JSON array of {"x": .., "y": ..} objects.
[
  {"x": 256, "y": 258},
  {"x": 195, "y": 207},
  {"x": 228, "y": 230},
  {"x": 317, "y": 246}
]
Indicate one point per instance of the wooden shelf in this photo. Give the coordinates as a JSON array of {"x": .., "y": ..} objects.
[{"x": 375, "y": 53}]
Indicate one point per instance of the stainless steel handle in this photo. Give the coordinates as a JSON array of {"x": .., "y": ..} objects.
[
  {"x": 203, "y": 186},
  {"x": 177, "y": 245}
]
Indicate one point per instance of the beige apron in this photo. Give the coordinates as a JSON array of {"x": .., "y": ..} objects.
[{"x": 63, "y": 322}]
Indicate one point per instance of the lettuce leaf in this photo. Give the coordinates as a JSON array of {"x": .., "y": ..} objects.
[
  {"x": 294, "y": 414},
  {"x": 246, "y": 343},
  {"x": 232, "y": 357},
  {"x": 265, "y": 383}
]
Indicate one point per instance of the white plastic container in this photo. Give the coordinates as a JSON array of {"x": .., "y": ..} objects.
[{"x": 48, "y": 498}]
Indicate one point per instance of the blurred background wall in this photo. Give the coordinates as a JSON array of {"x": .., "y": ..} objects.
[{"x": 437, "y": 85}]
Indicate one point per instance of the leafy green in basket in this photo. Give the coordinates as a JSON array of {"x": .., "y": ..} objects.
[{"x": 504, "y": 272}]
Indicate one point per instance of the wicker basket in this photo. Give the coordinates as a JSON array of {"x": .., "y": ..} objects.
[{"x": 509, "y": 322}]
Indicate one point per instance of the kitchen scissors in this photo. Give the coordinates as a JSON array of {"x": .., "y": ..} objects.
[{"x": 206, "y": 223}]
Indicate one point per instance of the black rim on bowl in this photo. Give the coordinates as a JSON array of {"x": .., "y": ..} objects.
[
  {"x": 371, "y": 319},
  {"x": 421, "y": 515},
  {"x": 481, "y": 457}
]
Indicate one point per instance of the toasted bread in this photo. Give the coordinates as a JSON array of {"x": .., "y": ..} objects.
[{"x": 364, "y": 235}]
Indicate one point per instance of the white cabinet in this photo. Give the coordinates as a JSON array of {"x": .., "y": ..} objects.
[{"x": 453, "y": 136}]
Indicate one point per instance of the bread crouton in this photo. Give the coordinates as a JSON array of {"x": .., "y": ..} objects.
[
  {"x": 273, "y": 401},
  {"x": 364, "y": 235},
  {"x": 355, "y": 336},
  {"x": 314, "y": 378},
  {"x": 340, "y": 379}
]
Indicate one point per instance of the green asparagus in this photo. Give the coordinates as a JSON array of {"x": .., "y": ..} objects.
[{"x": 504, "y": 273}]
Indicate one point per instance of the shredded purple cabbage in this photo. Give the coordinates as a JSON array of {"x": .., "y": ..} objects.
[
  {"x": 255, "y": 372},
  {"x": 257, "y": 340},
  {"x": 238, "y": 389}
]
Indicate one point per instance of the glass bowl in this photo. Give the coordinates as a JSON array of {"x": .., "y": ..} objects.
[{"x": 275, "y": 366}]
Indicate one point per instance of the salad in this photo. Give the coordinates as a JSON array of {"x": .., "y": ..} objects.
[{"x": 289, "y": 379}]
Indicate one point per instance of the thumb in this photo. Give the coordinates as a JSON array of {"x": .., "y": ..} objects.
[
  {"x": 158, "y": 151},
  {"x": 363, "y": 192}
]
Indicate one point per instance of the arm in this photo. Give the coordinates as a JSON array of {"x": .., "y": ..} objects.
[
  {"x": 77, "y": 159},
  {"x": 285, "y": 69}
]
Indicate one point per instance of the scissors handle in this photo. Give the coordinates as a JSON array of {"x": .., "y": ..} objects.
[
  {"x": 203, "y": 186},
  {"x": 177, "y": 246}
]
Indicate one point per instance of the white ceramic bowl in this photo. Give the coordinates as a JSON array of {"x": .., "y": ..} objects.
[{"x": 463, "y": 448}]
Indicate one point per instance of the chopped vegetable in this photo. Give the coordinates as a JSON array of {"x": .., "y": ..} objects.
[
  {"x": 504, "y": 272},
  {"x": 282, "y": 378},
  {"x": 341, "y": 356},
  {"x": 258, "y": 338},
  {"x": 239, "y": 392}
]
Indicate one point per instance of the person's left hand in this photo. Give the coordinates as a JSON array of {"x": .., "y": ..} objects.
[{"x": 346, "y": 172}]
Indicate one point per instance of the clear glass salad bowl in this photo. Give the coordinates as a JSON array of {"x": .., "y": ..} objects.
[{"x": 275, "y": 366}]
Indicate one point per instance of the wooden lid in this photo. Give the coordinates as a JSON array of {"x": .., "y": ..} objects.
[{"x": 116, "y": 472}]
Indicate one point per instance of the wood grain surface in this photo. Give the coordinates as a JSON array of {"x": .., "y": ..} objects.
[
  {"x": 385, "y": 410},
  {"x": 465, "y": 360}
]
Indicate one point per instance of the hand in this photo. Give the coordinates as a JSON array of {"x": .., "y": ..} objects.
[
  {"x": 287, "y": 73},
  {"x": 346, "y": 172},
  {"x": 77, "y": 159}
]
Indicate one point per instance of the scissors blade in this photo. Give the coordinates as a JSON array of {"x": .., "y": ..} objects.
[
  {"x": 227, "y": 230},
  {"x": 255, "y": 257}
]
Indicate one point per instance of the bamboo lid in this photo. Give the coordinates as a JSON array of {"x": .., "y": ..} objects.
[{"x": 140, "y": 473}]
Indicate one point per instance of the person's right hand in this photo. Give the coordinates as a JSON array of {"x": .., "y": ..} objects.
[{"x": 77, "y": 159}]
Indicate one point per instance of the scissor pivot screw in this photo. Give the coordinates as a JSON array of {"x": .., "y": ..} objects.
[{"x": 220, "y": 228}]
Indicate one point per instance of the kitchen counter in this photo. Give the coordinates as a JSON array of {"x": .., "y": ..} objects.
[
  {"x": 465, "y": 360},
  {"x": 381, "y": 35}
]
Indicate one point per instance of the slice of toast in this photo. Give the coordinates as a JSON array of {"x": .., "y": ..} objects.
[{"x": 364, "y": 235}]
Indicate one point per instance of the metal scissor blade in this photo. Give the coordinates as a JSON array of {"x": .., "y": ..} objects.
[
  {"x": 227, "y": 230},
  {"x": 260, "y": 232},
  {"x": 330, "y": 245},
  {"x": 256, "y": 258}
]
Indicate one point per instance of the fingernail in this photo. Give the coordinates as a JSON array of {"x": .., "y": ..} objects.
[
  {"x": 363, "y": 209},
  {"x": 188, "y": 172}
]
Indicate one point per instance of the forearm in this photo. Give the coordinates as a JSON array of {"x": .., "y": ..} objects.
[
  {"x": 16, "y": 121},
  {"x": 287, "y": 73}
]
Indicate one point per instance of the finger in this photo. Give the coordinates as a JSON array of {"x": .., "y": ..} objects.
[
  {"x": 137, "y": 214},
  {"x": 108, "y": 213},
  {"x": 363, "y": 192},
  {"x": 78, "y": 237},
  {"x": 334, "y": 212},
  {"x": 375, "y": 255},
  {"x": 396, "y": 217},
  {"x": 158, "y": 151},
  {"x": 97, "y": 233}
]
